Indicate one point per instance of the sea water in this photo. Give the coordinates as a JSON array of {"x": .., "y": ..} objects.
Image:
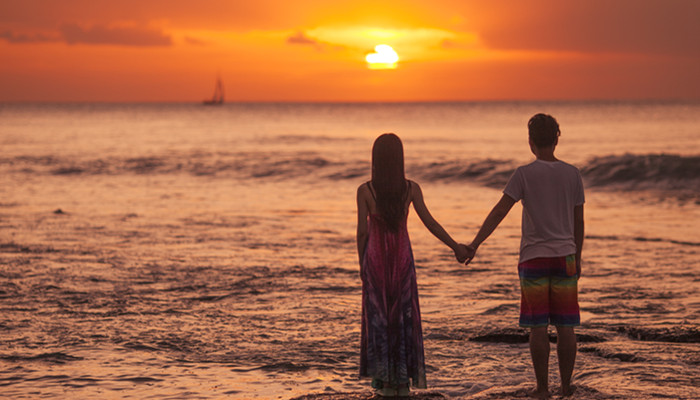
[{"x": 183, "y": 251}]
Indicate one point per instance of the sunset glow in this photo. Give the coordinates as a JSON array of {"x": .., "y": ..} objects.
[{"x": 275, "y": 51}]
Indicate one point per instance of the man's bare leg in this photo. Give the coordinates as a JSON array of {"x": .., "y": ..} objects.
[
  {"x": 566, "y": 351},
  {"x": 539, "y": 350}
]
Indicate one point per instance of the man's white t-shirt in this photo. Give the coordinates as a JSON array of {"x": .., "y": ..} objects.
[{"x": 549, "y": 191}]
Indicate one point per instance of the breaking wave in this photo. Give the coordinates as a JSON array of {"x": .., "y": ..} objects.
[
  {"x": 661, "y": 171},
  {"x": 665, "y": 172}
]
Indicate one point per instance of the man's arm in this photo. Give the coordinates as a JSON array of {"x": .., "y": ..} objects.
[
  {"x": 499, "y": 211},
  {"x": 578, "y": 236}
]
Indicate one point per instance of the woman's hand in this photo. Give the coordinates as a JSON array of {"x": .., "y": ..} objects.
[{"x": 464, "y": 253}]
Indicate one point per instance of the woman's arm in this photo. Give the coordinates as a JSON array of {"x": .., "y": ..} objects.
[
  {"x": 362, "y": 213},
  {"x": 433, "y": 226}
]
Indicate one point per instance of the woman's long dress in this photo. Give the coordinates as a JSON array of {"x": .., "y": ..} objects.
[{"x": 392, "y": 338}]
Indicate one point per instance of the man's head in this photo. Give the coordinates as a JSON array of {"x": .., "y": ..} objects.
[{"x": 543, "y": 130}]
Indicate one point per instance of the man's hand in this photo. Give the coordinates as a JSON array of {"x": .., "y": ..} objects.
[
  {"x": 464, "y": 254},
  {"x": 578, "y": 267}
]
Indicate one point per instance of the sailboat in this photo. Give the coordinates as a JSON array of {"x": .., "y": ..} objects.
[{"x": 218, "y": 97}]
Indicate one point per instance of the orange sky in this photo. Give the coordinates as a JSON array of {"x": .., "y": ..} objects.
[{"x": 314, "y": 50}]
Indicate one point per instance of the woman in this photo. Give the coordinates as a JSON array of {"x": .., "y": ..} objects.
[{"x": 391, "y": 339}]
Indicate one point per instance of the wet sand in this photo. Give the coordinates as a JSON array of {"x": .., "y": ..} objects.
[{"x": 368, "y": 396}]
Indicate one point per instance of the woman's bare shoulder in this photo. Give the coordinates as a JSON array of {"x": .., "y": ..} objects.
[
  {"x": 413, "y": 186},
  {"x": 363, "y": 189},
  {"x": 412, "y": 183}
]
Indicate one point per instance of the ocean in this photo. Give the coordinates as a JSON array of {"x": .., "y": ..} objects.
[{"x": 172, "y": 251}]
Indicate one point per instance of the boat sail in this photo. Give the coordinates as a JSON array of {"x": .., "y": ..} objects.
[{"x": 218, "y": 97}]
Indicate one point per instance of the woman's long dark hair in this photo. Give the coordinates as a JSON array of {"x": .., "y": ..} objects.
[{"x": 389, "y": 179}]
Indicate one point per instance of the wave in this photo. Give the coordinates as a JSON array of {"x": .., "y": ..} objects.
[
  {"x": 487, "y": 172},
  {"x": 642, "y": 239},
  {"x": 520, "y": 335},
  {"x": 271, "y": 166},
  {"x": 12, "y": 247},
  {"x": 619, "y": 356},
  {"x": 54, "y": 358},
  {"x": 665, "y": 172},
  {"x": 676, "y": 334}
]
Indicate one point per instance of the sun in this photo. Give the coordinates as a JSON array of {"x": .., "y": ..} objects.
[{"x": 384, "y": 57}]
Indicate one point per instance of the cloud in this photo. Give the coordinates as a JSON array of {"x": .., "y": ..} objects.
[
  {"x": 123, "y": 36},
  {"x": 301, "y": 38},
  {"x": 17, "y": 38},
  {"x": 366, "y": 37},
  {"x": 195, "y": 41},
  {"x": 95, "y": 35}
]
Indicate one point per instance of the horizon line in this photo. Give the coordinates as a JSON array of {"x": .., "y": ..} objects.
[{"x": 362, "y": 102}]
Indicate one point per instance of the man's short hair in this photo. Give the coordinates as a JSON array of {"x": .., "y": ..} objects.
[{"x": 543, "y": 130}]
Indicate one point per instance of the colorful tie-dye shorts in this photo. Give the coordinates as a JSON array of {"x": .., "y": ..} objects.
[{"x": 549, "y": 292}]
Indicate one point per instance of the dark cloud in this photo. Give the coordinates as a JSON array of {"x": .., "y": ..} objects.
[
  {"x": 124, "y": 36},
  {"x": 301, "y": 38},
  {"x": 13, "y": 37},
  {"x": 96, "y": 35},
  {"x": 195, "y": 41}
]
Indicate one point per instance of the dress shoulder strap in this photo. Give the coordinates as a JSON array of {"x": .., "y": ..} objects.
[{"x": 371, "y": 190}]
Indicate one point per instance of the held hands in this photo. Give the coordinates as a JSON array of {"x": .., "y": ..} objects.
[{"x": 464, "y": 253}]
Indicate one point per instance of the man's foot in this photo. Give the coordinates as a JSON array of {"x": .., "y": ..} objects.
[
  {"x": 540, "y": 394},
  {"x": 404, "y": 391},
  {"x": 568, "y": 391},
  {"x": 386, "y": 392}
]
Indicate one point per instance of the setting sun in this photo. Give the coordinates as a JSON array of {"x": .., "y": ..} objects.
[{"x": 384, "y": 57}]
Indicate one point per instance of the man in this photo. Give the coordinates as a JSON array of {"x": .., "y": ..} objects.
[{"x": 550, "y": 249}]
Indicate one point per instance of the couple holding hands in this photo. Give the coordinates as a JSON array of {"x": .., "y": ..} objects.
[{"x": 549, "y": 266}]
